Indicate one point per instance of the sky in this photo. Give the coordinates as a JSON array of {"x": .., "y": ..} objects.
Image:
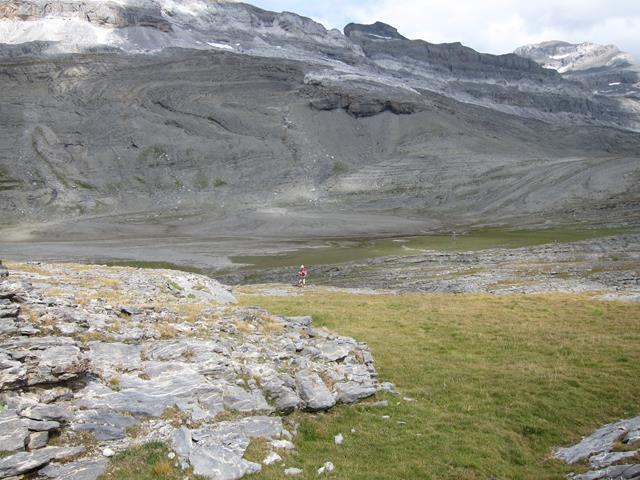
[{"x": 490, "y": 26}]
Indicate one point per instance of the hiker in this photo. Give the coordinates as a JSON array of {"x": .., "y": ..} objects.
[{"x": 302, "y": 276}]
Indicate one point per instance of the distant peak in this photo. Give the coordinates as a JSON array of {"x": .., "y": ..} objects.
[
  {"x": 375, "y": 31},
  {"x": 568, "y": 57}
]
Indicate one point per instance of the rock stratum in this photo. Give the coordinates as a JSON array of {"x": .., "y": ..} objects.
[
  {"x": 138, "y": 118},
  {"x": 103, "y": 358},
  {"x": 612, "y": 452}
]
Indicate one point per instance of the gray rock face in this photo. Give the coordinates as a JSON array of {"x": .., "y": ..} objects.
[
  {"x": 219, "y": 462},
  {"x": 24, "y": 462},
  {"x": 237, "y": 398},
  {"x": 40, "y": 360},
  {"x": 13, "y": 432},
  {"x": 603, "y": 68},
  {"x": 598, "y": 448},
  {"x": 36, "y": 426},
  {"x": 601, "y": 440},
  {"x": 379, "y": 39},
  {"x": 219, "y": 450},
  {"x": 103, "y": 424},
  {"x": 313, "y": 392},
  {"x": 113, "y": 15},
  {"x": 350, "y": 392},
  {"x": 108, "y": 357},
  {"x": 8, "y": 310},
  {"x": 88, "y": 469},
  {"x": 608, "y": 458},
  {"x": 41, "y": 412},
  {"x": 278, "y": 387},
  {"x": 617, "y": 472}
]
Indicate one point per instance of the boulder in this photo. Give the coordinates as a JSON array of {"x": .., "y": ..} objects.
[
  {"x": 38, "y": 440},
  {"x": 333, "y": 351},
  {"x": 241, "y": 400},
  {"x": 219, "y": 462},
  {"x": 350, "y": 392},
  {"x": 313, "y": 392},
  {"x": 46, "y": 412},
  {"x": 37, "y": 426}
]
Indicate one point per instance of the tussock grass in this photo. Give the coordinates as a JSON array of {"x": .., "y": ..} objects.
[
  {"x": 498, "y": 382},
  {"x": 167, "y": 331},
  {"x": 190, "y": 312},
  {"x": 244, "y": 327}
]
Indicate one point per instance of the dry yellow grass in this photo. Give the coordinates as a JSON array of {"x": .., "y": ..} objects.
[
  {"x": 244, "y": 327},
  {"x": 27, "y": 268},
  {"x": 189, "y": 312},
  {"x": 167, "y": 331},
  {"x": 162, "y": 468}
]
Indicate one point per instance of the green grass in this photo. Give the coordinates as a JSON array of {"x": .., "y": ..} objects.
[
  {"x": 345, "y": 250},
  {"x": 498, "y": 381},
  {"x": 146, "y": 264},
  {"x": 145, "y": 462}
]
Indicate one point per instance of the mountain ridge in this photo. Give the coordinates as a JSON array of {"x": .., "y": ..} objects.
[{"x": 275, "y": 124}]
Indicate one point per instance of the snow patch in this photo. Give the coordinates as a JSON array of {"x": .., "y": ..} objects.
[
  {"x": 223, "y": 46},
  {"x": 380, "y": 36},
  {"x": 185, "y": 7},
  {"x": 73, "y": 34},
  {"x": 560, "y": 57}
]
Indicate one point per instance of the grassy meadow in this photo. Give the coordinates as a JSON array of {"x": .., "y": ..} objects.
[
  {"x": 497, "y": 382},
  {"x": 347, "y": 250}
]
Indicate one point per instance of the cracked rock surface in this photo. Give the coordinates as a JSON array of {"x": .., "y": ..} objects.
[
  {"x": 601, "y": 449},
  {"x": 104, "y": 358}
]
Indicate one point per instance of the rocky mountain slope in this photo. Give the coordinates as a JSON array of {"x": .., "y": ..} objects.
[
  {"x": 146, "y": 117},
  {"x": 102, "y": 358},
  {"x": 604, "y": 68}
]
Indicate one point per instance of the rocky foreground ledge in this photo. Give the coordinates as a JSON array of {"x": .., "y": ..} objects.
[
  {"x": 95, "y": 359},
  {"x": 613, "y": 452}
]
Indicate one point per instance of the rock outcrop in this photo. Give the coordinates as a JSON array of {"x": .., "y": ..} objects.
[
  {"x": 128, "y": 355},
  {"x": 604, "y": 69},
  {"x": 607, "y": 463}
]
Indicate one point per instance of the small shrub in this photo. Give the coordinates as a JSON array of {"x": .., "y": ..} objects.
[
  {"x": 114, "y": 383},
  {"x": 340, "y": 168},
  {"x": 218, "y": 182}
]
